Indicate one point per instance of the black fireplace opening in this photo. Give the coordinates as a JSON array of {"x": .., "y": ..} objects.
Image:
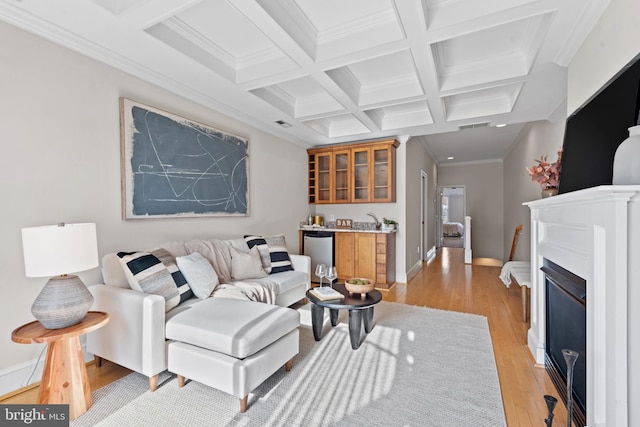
[{"x": 566, "y": 328}]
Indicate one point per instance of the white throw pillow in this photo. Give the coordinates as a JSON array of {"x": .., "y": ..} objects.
[
  {"x": 246, "y": 265},
  {"x": 200, "y": 275}
]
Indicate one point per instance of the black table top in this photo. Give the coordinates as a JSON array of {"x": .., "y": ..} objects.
[{"x": 349, "y": 301}]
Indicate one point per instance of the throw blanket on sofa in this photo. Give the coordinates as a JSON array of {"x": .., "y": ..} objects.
[
  {"x": 261, "y": 290},
  {"x": 218, "y": 253}
]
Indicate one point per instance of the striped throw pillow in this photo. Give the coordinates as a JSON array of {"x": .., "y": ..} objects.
[
  {"x": 146, "y": 273},
  {"x": 169, "y": 261},
  {"x": 280, "y": 260},
  {"x": 263, "y": 249}
]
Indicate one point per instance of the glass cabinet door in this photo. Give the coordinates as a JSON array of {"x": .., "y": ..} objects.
[
  {"x": 381, "y": 175},
  {"x": 341, "y": 176},
  {"x": 360, "y": 175},
  {"x": 323, "y": 178}
]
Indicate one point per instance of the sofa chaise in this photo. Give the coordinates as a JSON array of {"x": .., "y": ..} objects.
[{"x": 231, "y": 340}]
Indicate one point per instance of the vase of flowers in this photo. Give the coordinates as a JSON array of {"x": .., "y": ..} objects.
[{"x": 546, "y": 174}]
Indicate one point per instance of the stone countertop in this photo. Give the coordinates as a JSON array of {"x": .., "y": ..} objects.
[{"x": 343, "y": 230}]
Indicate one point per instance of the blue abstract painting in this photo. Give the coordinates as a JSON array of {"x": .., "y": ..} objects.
[{"x": 173, "y": 166}]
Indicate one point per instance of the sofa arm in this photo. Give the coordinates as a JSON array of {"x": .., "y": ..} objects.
[
  {"x": 134, "y": 337},
  {"x": 302, "y": 263}
]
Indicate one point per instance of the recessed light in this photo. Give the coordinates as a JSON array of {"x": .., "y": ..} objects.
[
  {"x": 501, "y": 125},
  {"x": 283, "y": 123},
  {"x": 450, "y": 158}
]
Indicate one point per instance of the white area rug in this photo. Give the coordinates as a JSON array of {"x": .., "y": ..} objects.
[{"x": 417, "y": 367}]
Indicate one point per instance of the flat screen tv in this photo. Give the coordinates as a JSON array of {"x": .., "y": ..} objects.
[{"x": 594, "y": 131}]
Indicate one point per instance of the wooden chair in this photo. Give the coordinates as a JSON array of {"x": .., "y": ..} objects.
[
  {"x": 523, "y": 288},
  {"x": 515, "y": 241}
]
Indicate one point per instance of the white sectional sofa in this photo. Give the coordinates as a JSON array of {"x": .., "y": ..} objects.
[{"x": 136, "y": 337}]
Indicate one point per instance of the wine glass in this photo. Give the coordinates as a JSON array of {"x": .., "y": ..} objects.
[
  {"x": 321, "y": 271},
  {"x": 332, "y": 274}
]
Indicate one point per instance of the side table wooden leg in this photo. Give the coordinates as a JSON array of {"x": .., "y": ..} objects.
[{"x": 64, "y": 379}]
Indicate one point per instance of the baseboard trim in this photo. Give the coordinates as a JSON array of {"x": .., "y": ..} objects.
[
  {"x": 406, "y": 277},
  {"x": 15, "y": 379},
  {"x": 413, "y": 271},
  {"x": 431, "y": 253}
]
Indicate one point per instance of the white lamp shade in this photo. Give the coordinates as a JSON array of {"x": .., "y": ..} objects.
[{"x": 53, "y": 250}]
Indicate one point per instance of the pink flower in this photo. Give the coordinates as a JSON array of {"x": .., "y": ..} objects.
[{"x": 544, "y": 173}]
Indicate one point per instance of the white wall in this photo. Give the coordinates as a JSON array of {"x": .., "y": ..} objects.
[
  {"x": 61, "y": 162},
  {"x": 536, "y": 139},
  {"x": 484, "y": 203},
  {"x": 419, "y": 160},
  {"x": 610, "y": 46}
]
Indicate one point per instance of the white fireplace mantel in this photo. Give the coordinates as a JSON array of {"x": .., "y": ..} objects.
[{"x": 595, "y": 234}]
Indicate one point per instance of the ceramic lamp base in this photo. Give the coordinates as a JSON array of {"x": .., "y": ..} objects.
[{"x": 64, "y": 301}]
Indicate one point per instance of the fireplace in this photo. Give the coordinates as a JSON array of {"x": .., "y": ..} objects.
[
  {"x": 594, "y": 234},
  {"x": 566, "y": 328}
]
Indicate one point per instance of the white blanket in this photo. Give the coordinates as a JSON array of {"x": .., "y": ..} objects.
[
  {"x": 217, "y": 252},
  {"x": 261, "y": 290},
  {"x": 520, "y": 270}
]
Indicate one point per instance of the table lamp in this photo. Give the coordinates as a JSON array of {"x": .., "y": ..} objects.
[{"x": 59, "y": 250}]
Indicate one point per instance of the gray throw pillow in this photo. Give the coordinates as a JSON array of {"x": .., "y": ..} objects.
[{"x": 246, "y": 265}]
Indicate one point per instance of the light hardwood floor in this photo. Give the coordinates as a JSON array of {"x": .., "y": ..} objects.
[{"x": 447, "y": 283}]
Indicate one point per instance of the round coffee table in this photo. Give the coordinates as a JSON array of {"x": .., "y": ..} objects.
[{"x": 360, "y": 311}]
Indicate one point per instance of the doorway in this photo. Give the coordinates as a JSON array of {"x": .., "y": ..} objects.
[
  {"x": 424, "y": 205},
  {"x": 452, "y": 212}
]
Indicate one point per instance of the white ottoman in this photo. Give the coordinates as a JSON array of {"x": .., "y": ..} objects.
[{"x": 232, "y": 345}]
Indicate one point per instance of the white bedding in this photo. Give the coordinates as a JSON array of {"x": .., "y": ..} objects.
[{"x": 452, "y": 229}]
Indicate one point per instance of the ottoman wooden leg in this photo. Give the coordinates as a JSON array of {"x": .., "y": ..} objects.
[
  {"x": 153, "y": 382},
  {"x": 97, "y": 360},
  {"x": 243, "y": 404},
  {"x": 180, "y": 381},
  {"x": 288, "y": 365}
]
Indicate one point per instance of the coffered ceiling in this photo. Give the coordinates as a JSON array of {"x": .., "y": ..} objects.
[{"x": 328, "y": 71}]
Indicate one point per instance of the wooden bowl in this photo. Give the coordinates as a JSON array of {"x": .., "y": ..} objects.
[{"x": 359, "y": 288}]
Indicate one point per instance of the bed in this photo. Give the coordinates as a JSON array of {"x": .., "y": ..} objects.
[
  {"x": 452, "y": 233},
  {"x": 452, "y": 229}
]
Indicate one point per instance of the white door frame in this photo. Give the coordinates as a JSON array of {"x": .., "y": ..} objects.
[
  {"x": 424, "y": 210},
  {"x": 441, "y": 188}
]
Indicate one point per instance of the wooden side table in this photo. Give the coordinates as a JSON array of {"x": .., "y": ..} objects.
[{"x": 64, "y": 378}]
